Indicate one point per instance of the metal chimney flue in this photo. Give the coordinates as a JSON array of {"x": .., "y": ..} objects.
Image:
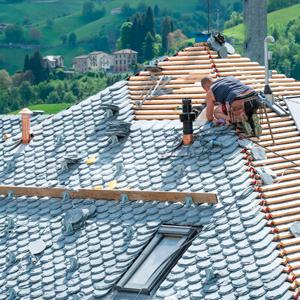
[
  {"x": 187, "y": 117},
  {"x": 268, "y": 73},
  {"x": 25, "y": 120}
]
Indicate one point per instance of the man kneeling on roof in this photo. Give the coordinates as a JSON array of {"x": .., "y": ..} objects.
[{"x": 236, "y": 103}]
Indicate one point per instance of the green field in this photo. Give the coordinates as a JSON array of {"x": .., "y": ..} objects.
[
  {"x": 37, "y": 11},
  {"x": 279, "y": 18},
  {"x": 48, "y": 108}
]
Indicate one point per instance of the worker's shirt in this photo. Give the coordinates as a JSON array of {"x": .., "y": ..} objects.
[{"x": 227, "y": 89}]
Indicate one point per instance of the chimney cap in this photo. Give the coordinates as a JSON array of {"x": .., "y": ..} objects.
[{"x": 25, "y": 111}]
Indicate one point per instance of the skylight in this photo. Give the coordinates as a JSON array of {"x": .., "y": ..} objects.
[{"x": 153, "y": 264}]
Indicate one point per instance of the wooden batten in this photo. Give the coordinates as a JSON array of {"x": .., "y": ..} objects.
[{"x": 109, "y": 194}]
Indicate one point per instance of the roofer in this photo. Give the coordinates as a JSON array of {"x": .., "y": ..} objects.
[{"x": 237, "y": 103}]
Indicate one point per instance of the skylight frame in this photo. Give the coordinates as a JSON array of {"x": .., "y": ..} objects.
[{"x": 184, "y": 233}]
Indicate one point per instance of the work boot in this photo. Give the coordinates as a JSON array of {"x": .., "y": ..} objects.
[
  {"x": 247, "y": 128},
  {"x": 256, "y": 125}
]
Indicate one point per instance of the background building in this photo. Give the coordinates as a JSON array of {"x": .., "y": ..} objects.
[
  {"x": 124, "y": 59},
  {"x": 100, "y": 61},
  {"x": 81, "y": 64},
  {"x": 53, "y": 61},
  {"x": 120, "y": 61}
]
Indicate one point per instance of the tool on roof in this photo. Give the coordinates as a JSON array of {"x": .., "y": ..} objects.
[
  {"x": 156, "y": 89},
  {"x": 118, "y": 128},
  {"x": 217, "y": 42},
  {"x": 187, "y": 117},
  {"x": 275, "y": 106}
]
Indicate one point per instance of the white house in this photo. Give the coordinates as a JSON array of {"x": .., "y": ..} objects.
[
  {"x": 100, "y": 61},
  {"x": 53, "y": 61}
]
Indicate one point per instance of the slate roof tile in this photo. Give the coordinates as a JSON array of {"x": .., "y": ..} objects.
[{"x": 87, "y": 259}]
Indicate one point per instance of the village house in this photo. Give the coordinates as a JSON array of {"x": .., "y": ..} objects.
[
  {"x": 100, "y": 61},
  {"x": 53, "y": 62},
  {"x": 120, "y": 61},
  {"x": 124, "y": 59},
  {"x": 80, "y": 64}
]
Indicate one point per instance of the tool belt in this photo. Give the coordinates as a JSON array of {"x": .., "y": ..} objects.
[{"x": 236, "y": 109}]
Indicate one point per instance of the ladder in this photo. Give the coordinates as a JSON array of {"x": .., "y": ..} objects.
[{"x": 156, "y": 89}]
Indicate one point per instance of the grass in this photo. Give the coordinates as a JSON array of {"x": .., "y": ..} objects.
[
  {"x": 279, "y": 18},
  {"x": 50, "y": 108},
  {"x": 14, "y": 58},
  {"x": 47, "y": 108},
  {"x": 36, "y": 12}
]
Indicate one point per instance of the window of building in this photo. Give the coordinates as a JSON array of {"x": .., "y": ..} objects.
[{"x": 155, "y": 261}]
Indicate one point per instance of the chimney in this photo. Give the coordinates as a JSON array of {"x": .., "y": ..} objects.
[
  {"x": 187, "y": 117},
  {"x": 25, "y": 119},
  {"x": 255, "y": 20}
]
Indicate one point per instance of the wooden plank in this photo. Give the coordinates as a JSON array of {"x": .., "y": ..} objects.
[
  {"x": 106, "y": 194},
  {"x": 156, "y": 117}
]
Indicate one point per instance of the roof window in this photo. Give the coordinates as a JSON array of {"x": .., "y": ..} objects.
[{"x": 155, "y": 261}]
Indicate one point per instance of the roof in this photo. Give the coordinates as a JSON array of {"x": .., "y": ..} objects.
[
  {"x": 234, "y": 241},
  {"x": 103, "y": 142},
  {"x": 10, "y": 124},
  {"x": 81, "y": 57},
  {"x": 185, "y": 70},
  {"x": 97, "y": 52},
  {"x": 52, "y": 57},
  {"x": 125, "y": 51}
]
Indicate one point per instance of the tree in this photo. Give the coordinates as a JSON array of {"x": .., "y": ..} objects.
[
  {"x": 53, "y": 97},
  {"x": 49, "y": 23},
  {"x": 44, "y": 89},
  {"x": 14, "y": 99},
  {"x": 26, "y": 63},
  {"x": 126, "y": 34},
  {"x": 166, "y": 28},
  {"x": 100, "y": 42},
  {"x": 138, "y": 37},
  {"x": 14, "y": 33},
  {"x": 149, "y": 21},
  {"x": 26, "y": 21},
  {"x": 149, "y": 46},
  {"x": 235, "y": 19},
  {"x": 5, "y": 80},
  {"x": 72, "y": 40},
  {"x": 88, "y": 10},
  {"x": 69, "y": 98},
  {"x": 126, "y": 10},
  {"x": 141, "y": 7},
  {"x": 26, "y": 93},
  {"x": 75, "y": 88},
  {"x": 175, "y": 39},
  {"x": 36, "y": 66},
  {"x": 64, "y": 39},
  {"x": 35, "y": 35},
  {"x": 156, "y": 11}
]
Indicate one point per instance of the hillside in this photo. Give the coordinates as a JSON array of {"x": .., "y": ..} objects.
[
  {"x": 66, "y": 18},
  {"x": 279, "y": 18}
]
